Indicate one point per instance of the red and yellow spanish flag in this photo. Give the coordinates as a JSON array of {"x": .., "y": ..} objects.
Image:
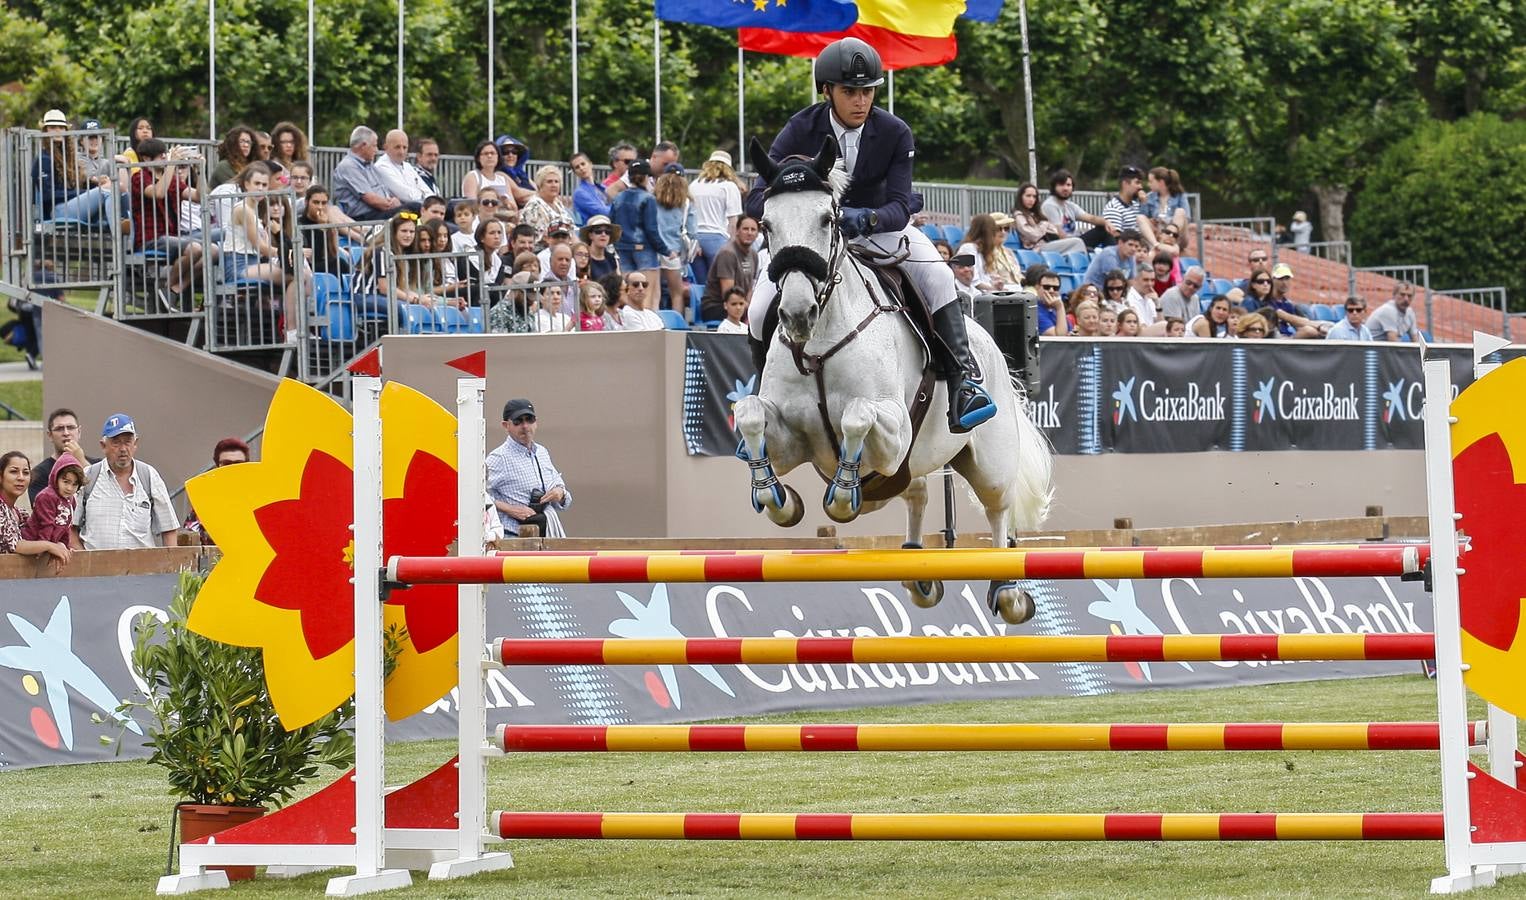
[{"x": 905, "y": 32}]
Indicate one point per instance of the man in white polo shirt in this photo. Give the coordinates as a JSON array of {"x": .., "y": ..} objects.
[{"x": 125, "y": 505}]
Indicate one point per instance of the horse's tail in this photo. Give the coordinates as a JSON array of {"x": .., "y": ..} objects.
[{"x": 1035, "y": 470}]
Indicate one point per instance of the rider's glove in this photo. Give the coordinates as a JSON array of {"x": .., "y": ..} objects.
[{"x": 858, "y": 222}]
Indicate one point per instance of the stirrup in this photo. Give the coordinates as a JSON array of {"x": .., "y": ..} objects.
[{"x": 974, "y": 405}]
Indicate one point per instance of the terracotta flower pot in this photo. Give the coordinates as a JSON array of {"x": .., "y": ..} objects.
[{"x": 199, "y": 821}]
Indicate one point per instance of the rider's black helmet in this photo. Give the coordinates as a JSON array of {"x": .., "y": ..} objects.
[{"x": 849, "y": 61}]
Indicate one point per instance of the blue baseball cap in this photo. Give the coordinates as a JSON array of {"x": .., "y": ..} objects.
[{"x": 118, "y": 423}]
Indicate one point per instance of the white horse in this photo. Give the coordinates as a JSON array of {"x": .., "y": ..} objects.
[{"x": 845, "y": 372}]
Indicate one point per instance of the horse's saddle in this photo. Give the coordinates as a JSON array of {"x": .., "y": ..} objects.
[{"x": 903, "y": 293}]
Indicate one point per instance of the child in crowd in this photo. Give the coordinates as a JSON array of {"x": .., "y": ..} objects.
[
  {"x": 591, "y": 307},
  {"x": 465, "y": 215},
  {"x": 1175, "y": 327},
  {"x": 736, "y": 308},
  {"x": 53, "y": 509},
  {"x": 549, "y": 317}
]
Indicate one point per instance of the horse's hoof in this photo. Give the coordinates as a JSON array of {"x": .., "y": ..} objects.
[
  {"x": 925, "y": 594},
  {"x": 788, "y": 514},
  {"x": 911, "y": 545},
  {"x": 1012, "y": 603},
  {"x": 844, "y": 512}
]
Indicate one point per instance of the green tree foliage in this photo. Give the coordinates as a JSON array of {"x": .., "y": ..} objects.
[
  {"x": 36, "y": 71},
  {"x": 1452, "y": 195}
]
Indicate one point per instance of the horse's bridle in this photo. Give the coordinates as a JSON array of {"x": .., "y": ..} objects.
[{"x": 822, "y": 272}]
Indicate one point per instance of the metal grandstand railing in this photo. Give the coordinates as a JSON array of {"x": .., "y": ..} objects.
[{"x": 1489, "y": 307}]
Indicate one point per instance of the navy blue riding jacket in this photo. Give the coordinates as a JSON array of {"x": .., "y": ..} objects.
[{"x": 881, "y": 174}]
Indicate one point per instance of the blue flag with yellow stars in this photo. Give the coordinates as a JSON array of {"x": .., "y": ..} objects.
[{"x": 780, "y": 15}]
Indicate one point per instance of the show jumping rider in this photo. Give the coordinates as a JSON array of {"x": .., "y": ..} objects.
[{"x": 877, "y": 149}]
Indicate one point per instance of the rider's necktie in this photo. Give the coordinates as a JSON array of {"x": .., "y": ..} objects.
[{"x": 850, "y": 149}]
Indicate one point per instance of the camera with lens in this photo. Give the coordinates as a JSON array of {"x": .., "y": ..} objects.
[{"x": 537, "y": 500}]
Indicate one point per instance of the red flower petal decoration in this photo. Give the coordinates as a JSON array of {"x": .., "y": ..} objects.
[
  {"x": 312, "y": 567},
  {"x": 422, "y": 522},
  {"x": 1490, "y": 501}
]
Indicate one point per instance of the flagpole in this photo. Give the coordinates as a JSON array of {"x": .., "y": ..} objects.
[
  {"x": 312, "y": 134},
  {"x": 492, "y": 59},
  {"x": 575, "y": 123},
  {"x": 657, "y": 78},
  {"x": 741, "y": 112},
  {"x": 1033, "y": 154},
  {"x": 212, "y": 68},
  {"x": 400, "y": 64}
]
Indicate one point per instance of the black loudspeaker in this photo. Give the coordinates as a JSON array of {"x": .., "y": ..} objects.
[{"x": 1012, "y": 318}]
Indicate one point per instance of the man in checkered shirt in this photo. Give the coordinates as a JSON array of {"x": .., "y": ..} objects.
[{"x": 524, "y": 484}]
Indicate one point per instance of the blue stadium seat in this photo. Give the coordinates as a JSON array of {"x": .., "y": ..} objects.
[
  {"x": 954, "y": 234},
  {"x": 1069, "y": 283},
  {"x": 696, "y": 296},
  {"x": 478, "y": 325},
  {"x": 451, "y": 320},
  {"x": 1078, "y": 261},
  {"x": 1028, "y": 258},
  {"x": 1327, "y": 313},
  {"x": 1055, "y": 261},
  {"x": 1203, "y": 303},
  {"x": 1188, "y": 262},
  {"x": 1208, "y": 291},
  {"x": 673, "y": 320},
  {"x": 332, "y": 303},
  {"x": 933, "y": 232},
  {"x": 417, "y": 319},
  {"x": 1014, "y": 241}
]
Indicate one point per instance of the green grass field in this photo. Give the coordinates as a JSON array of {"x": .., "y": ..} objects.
[
  {"x": 23, "y": 396},
  {"x": 102, "y": 829}
]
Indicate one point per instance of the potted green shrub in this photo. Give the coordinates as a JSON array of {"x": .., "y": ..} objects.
[{"x": 211, "y": 724}]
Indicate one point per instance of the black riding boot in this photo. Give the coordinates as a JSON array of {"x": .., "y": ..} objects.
[
  {"x": 968, "y": 403},
  {"x": 759, "y": 354}
]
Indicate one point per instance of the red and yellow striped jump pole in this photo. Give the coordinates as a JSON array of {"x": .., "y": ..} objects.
[
  {"x": 980, "y": 564},
  {"x": 981, "y": 737},
  {"x": 971, "y": 649},
  {"x": 971, "y": 826}
]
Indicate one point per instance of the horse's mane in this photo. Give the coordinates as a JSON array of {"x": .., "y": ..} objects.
[{"x": 838, "y": 180}]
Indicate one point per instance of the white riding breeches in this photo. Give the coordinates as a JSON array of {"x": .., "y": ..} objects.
[{"x": 933, "y": 278}]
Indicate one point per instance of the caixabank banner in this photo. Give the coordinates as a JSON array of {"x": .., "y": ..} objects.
[
  {"x": 1161, "y": 396},
  {"x": 65, "y": 645}
]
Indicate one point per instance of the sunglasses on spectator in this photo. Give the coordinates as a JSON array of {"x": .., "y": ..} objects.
[
  {"x": 641, "y": 283},
  {"x": 527, "y": 417},
  {"x": 1260, "y": 281},
  {"x": 408, "y": 216},
  {"x": 1256, "y": 329},
  {"x": 488, "y": 203},
  {"x": 1049, "y": 286},
  {"x": 1352, "y": 309},
  {"x": 1172, "y": 232},
  {"x": 1115, "y": 287},
  {"x": 600, "y": 230}
]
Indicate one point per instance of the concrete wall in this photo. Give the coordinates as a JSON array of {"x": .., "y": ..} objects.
[{"x": 611, "y": 413}]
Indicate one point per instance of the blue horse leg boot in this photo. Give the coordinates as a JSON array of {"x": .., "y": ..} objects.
[{"x": 968, "y": 403}]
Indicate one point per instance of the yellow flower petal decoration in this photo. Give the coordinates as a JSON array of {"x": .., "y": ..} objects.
[
  {"x": 294, "y": 501},
  {"x": 419, "y": 508},
  {"x": 1489, "y": 466}
]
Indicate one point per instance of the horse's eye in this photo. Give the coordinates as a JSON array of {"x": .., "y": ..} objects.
[
  {"x": 826, "y": 220},
  {"x": 763, "y": 226}
]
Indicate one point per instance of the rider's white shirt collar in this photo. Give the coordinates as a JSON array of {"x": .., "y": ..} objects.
[{"x": 849, "y": 147}]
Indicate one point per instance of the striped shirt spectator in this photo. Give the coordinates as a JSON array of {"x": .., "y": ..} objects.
[
  {"x": 522, "y": 481},
  {"x": 1122, "y": 209}
]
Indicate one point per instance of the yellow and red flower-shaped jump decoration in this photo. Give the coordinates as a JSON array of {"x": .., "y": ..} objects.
[
  {"x": 283, "y": 524},
  {"x": 1489, "y": 470}
]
